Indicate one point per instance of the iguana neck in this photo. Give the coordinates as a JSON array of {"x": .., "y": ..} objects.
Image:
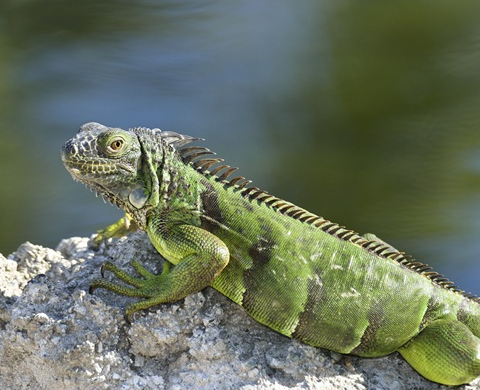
[{"x": 175, "y": 189}]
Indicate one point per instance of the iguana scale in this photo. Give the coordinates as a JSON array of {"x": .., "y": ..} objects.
[{"x": 295, "y": 272}]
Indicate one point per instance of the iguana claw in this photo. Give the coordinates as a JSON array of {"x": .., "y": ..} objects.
[{"x": 146, "y": 286}]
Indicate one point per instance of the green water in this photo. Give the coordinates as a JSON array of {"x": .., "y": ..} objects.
[{"x": 366, "y": 113}]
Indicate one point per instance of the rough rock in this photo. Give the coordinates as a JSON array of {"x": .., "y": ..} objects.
[{"x": 54, "y": 335}]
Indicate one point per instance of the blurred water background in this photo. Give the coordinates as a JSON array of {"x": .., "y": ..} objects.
[{"x": 366, "y": 113}]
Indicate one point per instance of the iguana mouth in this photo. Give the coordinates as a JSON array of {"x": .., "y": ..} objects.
[{"x": 81, "y": 168}]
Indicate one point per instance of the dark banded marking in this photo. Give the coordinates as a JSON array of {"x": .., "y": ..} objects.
[
  {"x": 368, "y": 342},
  {"x": 211, "y": 214},
  {"x": 264, "y": 297},
  {"x": 261, "y": 252},
  {"x": 317, "y": 327},
  {"x": 315, "y": 301},
  {"x": 462, "y": 313},
  {"x": 433, "y": 308}
]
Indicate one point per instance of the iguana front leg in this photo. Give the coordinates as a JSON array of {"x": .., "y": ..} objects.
[
  {"x": 198, "y": 256},
  {"x": 120, "y": 228}
]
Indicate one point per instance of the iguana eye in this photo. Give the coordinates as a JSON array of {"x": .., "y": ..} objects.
[
  {"x": 116, "y": 145},
  {"x": 114, "y": 142}
]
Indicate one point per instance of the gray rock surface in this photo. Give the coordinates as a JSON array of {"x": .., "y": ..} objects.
[{"x": 54, "y": 335}]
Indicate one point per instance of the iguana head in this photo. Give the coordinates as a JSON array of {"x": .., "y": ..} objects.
[
  {"x": 110, "y": 162},
  {"x": 123, "y": 166}
]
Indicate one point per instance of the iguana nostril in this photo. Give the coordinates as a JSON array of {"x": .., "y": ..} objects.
[{"x": 68, "y": 149}]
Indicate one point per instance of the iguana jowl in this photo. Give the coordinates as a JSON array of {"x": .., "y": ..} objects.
[{"x": 297, "y": 273}]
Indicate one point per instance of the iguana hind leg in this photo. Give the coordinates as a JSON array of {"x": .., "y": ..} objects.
[{"x": 446, "y": 351}]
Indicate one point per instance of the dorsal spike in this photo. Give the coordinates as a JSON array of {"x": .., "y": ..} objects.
[
  {"x": 296, "y": 213},
  {"x": 390, "y": 254},
  {"x": 334, "y": 229},
  {"x": 320, "y": 222},
  {"x": 190, "y": 149},
  {"x": 235, "y": 180},
  {"x": 206, "y": 163},
  {"x": 193, "y": 156},
  {"x": 265, "y": 197},
  {"x": 305, "y": 218},
  {"x": 245, "y": 183},
  {"x": 382, "y": 248},
  {"x": 284, "y": 209},
  {"x": 413, "y": 264},
  {"x": 186, "y": 152},
  {"x": 424, "y": 268},
  {"x": 181, "y": 142},
  {"x": 227, "y": 173},
  {"x": 447, "y": 283},
  {"x": 327, "y": 226},
  {"x": 176, "y": 139},
  {"x": 346, "y": 235},
  {"x": 256, "y": 194},
  {"x": 246, "y": 191},
  {"x": 367, "y": 244},
  {"x": 217, "y": 169}
]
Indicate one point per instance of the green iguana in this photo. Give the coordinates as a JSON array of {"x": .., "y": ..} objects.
[{"x": 297, "y": 273}]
